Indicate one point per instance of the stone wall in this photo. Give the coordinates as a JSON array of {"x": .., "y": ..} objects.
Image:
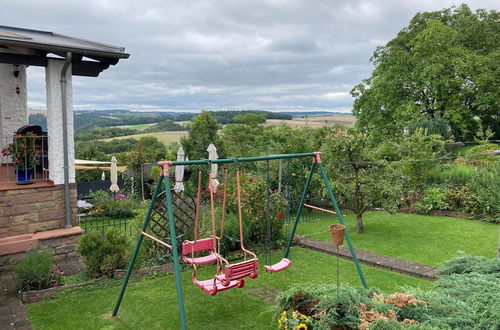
[
  {"x": 62, "y": 248},
  {"x": 27, "y": 211}
]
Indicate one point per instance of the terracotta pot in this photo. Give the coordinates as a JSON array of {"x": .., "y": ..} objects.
[{"x": 337, "y": 234}]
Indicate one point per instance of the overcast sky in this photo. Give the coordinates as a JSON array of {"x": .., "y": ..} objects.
[{"x": 234, "y": 54}]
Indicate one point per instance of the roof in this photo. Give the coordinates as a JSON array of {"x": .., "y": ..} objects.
[{"x": 32, "y": 47}]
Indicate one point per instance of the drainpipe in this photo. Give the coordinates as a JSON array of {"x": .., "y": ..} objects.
[{"x": 67, "y": 201}]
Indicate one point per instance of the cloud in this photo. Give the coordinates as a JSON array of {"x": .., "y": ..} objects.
[{"x": 245, "y": 54}]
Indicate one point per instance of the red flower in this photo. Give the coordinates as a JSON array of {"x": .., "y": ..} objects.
[
  {"x": 275, "y": 190},
  {"x": 280, "y": 216},
  {"x": 25, "y": 148},
  {"x": 250, "y": 180}
]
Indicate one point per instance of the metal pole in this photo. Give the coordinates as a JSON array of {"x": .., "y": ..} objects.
[
  {"x": 137, "y": 246},
  {"x": 341, "y": 220},
  {"x": 301, "y": 204},
  {"x": 67, "y": 201},
  {"x": 142, "y": 182},
  {"x": 241, "y": 160},
  {"x": 280, "y": 174},
  {"x": 337, "y": 270},
  {"x": 175, "y": 251}
]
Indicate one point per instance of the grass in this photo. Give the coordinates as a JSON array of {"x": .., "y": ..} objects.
[
  {"x": 420, "y": 238},
  {"x": 167, "y": 137},
  {"x": 151, "y": 303}
]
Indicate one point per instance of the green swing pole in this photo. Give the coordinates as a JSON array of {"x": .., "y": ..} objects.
[
  {"x": 137, "y": 246},
  {"x": 341, "y": 220},
  {"x": 297, "y": 216},
  {"x": 175, "y": 251}
]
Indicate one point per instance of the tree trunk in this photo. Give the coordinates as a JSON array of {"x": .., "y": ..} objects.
[{"x": 359, "y": 223}]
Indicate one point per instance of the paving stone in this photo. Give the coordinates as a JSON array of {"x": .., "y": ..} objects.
[{"x": 370, "y": 258}]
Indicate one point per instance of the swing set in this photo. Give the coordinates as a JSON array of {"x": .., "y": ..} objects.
[{"x": 201, "y": 251}]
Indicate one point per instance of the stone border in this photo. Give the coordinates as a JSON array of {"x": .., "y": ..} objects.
[
  {"x": 29, "y": 297},
  {"x": 371, "y": 259}
]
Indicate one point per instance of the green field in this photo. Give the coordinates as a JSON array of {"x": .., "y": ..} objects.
[
  {"x": 138, "y": 127},
  {"x": 152, "y": 303},
  {"x": 420, "y": 238},
  {"x": 167, "y": 138}
]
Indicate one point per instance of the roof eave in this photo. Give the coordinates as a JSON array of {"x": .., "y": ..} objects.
[{"x": 55, "y": 48}]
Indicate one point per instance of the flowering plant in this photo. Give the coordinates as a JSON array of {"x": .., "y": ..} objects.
[
  {"x": 294, "y": 321},
  {"x": 24, "y": 151}
]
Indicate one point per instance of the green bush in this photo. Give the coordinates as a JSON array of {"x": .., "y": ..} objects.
[
  {"x": 463, "y": 263},
  {"x": 434, "y": 199},
  {"x": 254, "y": 209},
  {"x": 33, "y": 272},
  {"x": 119, "y": 209},
  {"x": 103, "y": 252},
  {"x": 466, "y": 296}
]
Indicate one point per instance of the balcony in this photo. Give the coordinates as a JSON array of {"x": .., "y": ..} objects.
[{"x": 25, "y": 161}]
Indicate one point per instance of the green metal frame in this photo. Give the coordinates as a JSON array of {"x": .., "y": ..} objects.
[{"x": 170, "y": 213}]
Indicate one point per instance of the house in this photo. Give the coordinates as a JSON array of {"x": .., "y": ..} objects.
[{"x": 43, "y": 214}]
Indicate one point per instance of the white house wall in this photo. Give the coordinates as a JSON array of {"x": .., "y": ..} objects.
[
  {"x": 55, "y": 124},
  {"x": 13, "y": 106}
]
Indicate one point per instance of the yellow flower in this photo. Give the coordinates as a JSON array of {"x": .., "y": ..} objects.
[
  {"x": 304, "y": 317},
  {"x": 283, "y": 313},
  {"x": 301, "y": 326},
  {"x": 294, "y": 315}
]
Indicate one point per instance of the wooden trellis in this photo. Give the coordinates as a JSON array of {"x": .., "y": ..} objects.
[{"x": 184, "y": 216}]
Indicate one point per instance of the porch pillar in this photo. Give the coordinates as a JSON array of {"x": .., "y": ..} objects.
[
  {"x": 55, "y": 122},
  {"x": 13, "y": 101}
]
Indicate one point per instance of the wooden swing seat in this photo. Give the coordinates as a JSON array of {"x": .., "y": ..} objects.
[
  {"x": 200, "y": 245},
  {"x": 278, "y": 267},
  {"x": 212, "y": 286}
]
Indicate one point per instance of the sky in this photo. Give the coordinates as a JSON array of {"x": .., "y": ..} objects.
[{"x": 277, "y": 55}]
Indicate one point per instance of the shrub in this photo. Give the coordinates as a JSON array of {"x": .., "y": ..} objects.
[
  {"x": 466, "y": 296},
  {"x": 254, "y": 209},
  {"x": 103, "y": 252},
  {"x": 480, "y": 155},
  {"x": 34, "y": 271},
  {"x": 463, "y": 263},
  {"x": 119, "y": 209},
  {"x": 434, "y": 199}
]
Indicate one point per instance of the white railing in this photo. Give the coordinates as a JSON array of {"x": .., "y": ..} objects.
[{"x": 25, "y": 159}]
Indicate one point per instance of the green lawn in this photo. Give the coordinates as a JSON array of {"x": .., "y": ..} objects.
[
  {"x": 420, "y": 238},
  {"x": 152, "y": 304}
]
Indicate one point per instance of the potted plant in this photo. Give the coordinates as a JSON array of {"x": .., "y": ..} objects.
[{"x": 25, "y": 154}]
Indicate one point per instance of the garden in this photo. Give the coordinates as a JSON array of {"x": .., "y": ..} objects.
[{"x": 414, "y": 180}]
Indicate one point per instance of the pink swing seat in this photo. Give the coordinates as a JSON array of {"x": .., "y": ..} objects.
[
  {"x": 238, "y": 271},
  {"x": 213, "y": 285},
  {"x": 278, "y": 267},
  {"x": 191, "y": 247}
]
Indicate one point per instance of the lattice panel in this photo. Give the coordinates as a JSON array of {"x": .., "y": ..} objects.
[{"x": 184, "y": 216}]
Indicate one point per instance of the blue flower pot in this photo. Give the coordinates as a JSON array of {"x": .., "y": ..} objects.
[{"x": 24, "y": 176}]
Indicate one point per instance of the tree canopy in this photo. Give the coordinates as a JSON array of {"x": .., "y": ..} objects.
[{"x": 443, "y": 65}]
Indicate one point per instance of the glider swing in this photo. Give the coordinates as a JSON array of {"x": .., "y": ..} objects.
[{"x": 229, "y": 275}]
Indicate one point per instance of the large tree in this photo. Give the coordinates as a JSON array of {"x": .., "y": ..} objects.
[
  {"x": 443, "y": 65},
  {"x": 202, "y": 131}
]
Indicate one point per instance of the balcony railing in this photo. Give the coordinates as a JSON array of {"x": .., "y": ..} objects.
[{"x": 25, "y": 159}]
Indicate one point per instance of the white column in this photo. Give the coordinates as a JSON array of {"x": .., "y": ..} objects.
[
  {"x": 13, "y": 106},
  {"x": 54, "y": 121}
]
